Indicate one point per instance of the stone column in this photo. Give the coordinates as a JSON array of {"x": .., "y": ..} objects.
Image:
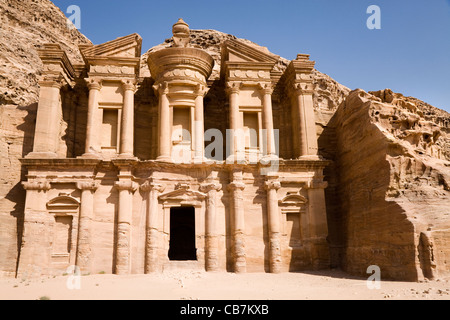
[
  {"x": 306, "y": 118},
  {"x": 127, "y": 129},
  {"x": 94, "y": 86},
  {"x": 212, "y": 240},
  {"x": 126, "y": 189},
  {"x": 47, "y": 120},
  {"x": 165, "y": 148},
  {"x": 199, "y": 144},
  {"x": 273, "y": 219},
  {"x": 36, "y": 238},
  {"x": 267, "y": 91},
  {"x": 318, "y": 224},
  {"x": 83, "y": 257},
  {"x": 237, "y": 200},
  {"x": 152, "y": 234},
  {"x": 236, "y": 145}
]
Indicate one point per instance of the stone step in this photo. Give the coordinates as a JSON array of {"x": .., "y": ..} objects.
[{"x": 183, "y": 265}]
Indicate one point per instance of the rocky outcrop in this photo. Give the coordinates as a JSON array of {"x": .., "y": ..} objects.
[
  {"x": 25, "y": 26},
  {"x": 393, "y": 172}
]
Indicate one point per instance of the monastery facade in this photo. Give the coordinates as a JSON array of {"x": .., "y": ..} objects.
[{"x": 132, "y": 175}]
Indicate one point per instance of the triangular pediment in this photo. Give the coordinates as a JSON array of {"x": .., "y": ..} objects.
[
  {"x": 238, "y": 51},
  {"x": 125, "y": 47},
  {"x": 183, "y": 194}
]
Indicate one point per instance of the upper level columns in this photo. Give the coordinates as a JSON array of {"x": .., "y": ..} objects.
[
  {"x": 58, "y": 72},
  {"x": 127, "y": 132},
  {"x": 236, "y": 125},
  {"x": 299, "y": 83},
  {"x": 164, "y": 123},
  {"x": 199, "y": 124},
  {"x": 92, "y": 148},
  {"x": 267, "y": 90}
]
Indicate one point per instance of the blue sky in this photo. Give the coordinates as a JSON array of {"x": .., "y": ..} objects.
[{"x": 409, "y": 54}]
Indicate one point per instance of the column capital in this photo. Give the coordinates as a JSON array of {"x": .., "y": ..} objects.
[
  {"x": 36, "y": 185},
  {"x": 201, "y": 90},
  {"x": 93, "y": 83},
  {"x": 87, "y": 185},
  {"x": 266, "y": 88},
  {"x": 126, "y": 185},
  {"x": 236, "y": 185},
  {"x": 149, "y": 185},
  {"x": 303, "y": 88},
  {"x": 273, "y": 185},
  {"x": 161, "y": 88},
  {"x": 129, "y": 84},
  {"x": 207, "y": 187},
  {"x": 234, "y": 87}
]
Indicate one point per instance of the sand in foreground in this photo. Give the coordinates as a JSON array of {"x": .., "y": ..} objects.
[{"x": 194, "y": 285}]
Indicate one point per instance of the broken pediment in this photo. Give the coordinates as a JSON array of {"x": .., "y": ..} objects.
[
  {"x": 183, "y": 195},
  {"x": 237, "y": 51},
  {"x": 124, "y": 47}
]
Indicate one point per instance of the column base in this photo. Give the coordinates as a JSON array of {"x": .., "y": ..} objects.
[
  {"x": 91, "y": 155},
  {"x": 164, "y": 159},
  {"x": 41, "y": 155},
  {"x": 127, "y": 156},
  {"x": 310, "y": 157}
]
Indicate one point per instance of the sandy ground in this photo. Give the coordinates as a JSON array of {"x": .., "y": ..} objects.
[{"x": 184, "y": 285}]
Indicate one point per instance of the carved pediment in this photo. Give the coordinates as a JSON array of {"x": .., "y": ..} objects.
[
  {"x": 124, "y": 47},
  {"x": 293, "y": 202},
  {"x": 64, "y": 203},
  {"x": 237, "y": 51},
  {"x": 183, "y": 195}
]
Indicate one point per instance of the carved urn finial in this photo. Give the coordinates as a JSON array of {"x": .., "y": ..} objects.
[{"x": 181, "y": 34}]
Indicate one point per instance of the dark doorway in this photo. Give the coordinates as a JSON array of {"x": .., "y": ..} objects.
[{"x": 182, "y": 234}]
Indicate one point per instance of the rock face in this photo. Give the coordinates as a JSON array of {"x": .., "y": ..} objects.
[
  {"x": 25, "y": 26},
  {"x": 391, "y": 177}
]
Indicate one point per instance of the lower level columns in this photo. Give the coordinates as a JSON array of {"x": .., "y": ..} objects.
[
  {"x": 274, "y": 226},
  {"x": 212, "y": 241},
  {"x": 237, "y": 187},
  {"x": 152, "y": 234},
  {"x": 126, "y": 189},
  {"x": 84, "y": 245}
]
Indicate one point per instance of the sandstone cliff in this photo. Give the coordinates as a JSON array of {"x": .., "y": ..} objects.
[
  {"x": 25, "y": 26},
  {"x": 392, "y": 172}
]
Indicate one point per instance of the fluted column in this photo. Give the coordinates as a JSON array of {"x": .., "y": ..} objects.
[
  {"x": 236, "y": 140},
  {"x": 237, "y": 187},
  {"x": 273, "y": 218},
  {"x": 126, "y": 189},
  {"x": 47, "y": 119},
  {"x": 308, "y": 135},
  {"x": 92, "y": 147},
  {"x": 267, "y": 90},
  {"x": 164, "y": 145},
  {"x": 84, "y": 245},
  {"x": 152, "y": 234},
  {"x": 127, "y": 130},
  {"x": 199, "y": 144},
  {"x": 212, "y": 240}
]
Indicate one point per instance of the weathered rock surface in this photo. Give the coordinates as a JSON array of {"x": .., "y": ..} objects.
[
  {"x": 391, "y": 179},
  {"x": 25, "y": 26}
]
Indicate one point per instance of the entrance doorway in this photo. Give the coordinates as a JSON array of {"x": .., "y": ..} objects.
[{"x": 182, "y": 234}]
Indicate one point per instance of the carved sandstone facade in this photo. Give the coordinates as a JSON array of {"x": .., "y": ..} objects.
[{"x": 142, "y": 191}]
